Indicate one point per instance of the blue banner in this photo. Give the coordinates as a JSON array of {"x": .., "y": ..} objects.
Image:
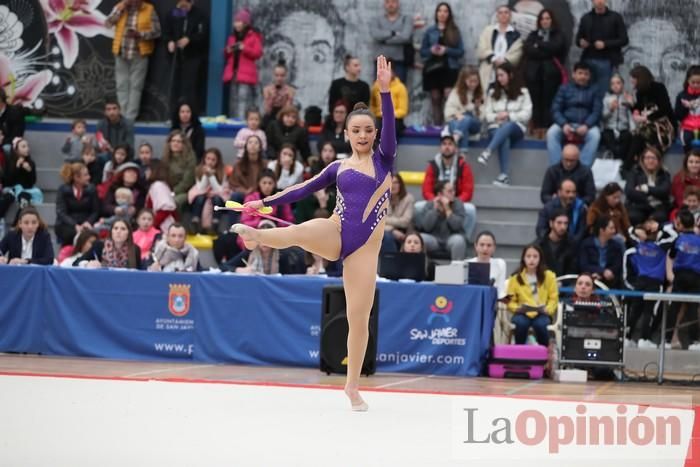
[{"x": 260, "y": 320}]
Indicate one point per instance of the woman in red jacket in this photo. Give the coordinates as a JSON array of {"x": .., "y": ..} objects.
[{"x": 243, "y": 49}]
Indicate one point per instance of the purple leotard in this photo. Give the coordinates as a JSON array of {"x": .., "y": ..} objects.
[{"x": 356, "y": 190}]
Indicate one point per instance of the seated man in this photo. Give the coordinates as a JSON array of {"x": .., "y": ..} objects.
[
  {"x": 173, "y": 254},
  {"x": 113, "y": 130},
  {"x": 569, "y": 167},
  {"x": 449, "y": 166},
  {"x": 443, "y": 223},
  {"x": 576, "y": 111},
  {"x": 558, "y": 251},
  {"x": 574, "y": 208}
]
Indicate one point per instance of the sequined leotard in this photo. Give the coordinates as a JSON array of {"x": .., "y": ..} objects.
[{"x": 362, "y": 199}]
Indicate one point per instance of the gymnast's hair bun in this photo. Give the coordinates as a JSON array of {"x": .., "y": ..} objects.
[{"x": 360, "y": 106}]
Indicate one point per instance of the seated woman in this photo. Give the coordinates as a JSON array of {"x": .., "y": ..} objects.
[
  {"x": 399, "y": 218},
  {"x": 288, "y": 170},
  {"x": 263, "y": 259},
  {"x": 160, "y": 197},
  {"x": 583, "y": 290},
  {"x": 83, "y": 243},
  {"x": 77, "y": 204},
  {"x": 29, "y": 242},
  {"x": 413, "y": 243},
  {"x": 210, "y": 190},
  {"x": 534, "y": 296},
  {"x": 485, "y": 246},
  {"x": 602, "y": 256},
  {"x": 117, "y": 251},
  {"x": 648, "y": 189}
]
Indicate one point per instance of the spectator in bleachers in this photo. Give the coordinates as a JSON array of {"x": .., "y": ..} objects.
[
  {"x": 145, "y": 157},
  {"x": 507, "y": 113},
  {"x": 77, "y": 205},
  {"x": 29, "y": 242},
  {"x": 443, "y": 223},
  {"x": 265, "y": 187},
  {"x": 120, "y": 155},
  {"x": 685, "y": 274},
  {"x": 73, "y": 147},
  {"x": 82, "y": 244},
  {"x": 112, "y": 131},
  {"x": 247, "y": 170},
  {"x": 644, "y": 270},
  {"x": 137, "y": 27},
  {"x": 263, "y": 259},
  {"x": 399, "y": 97},
  {"x": 691, "y": 202},
  {"x": 117, "y": 251},
  {"x": 123, "y": 209},
  {"x": 618, "y": 123},
  {"x": 392, "y": 34},
  {"x": 574, "y": 207},
  {"x": 648, "y": 189},
  {"x": 399, "y": 215},
  {"x": 583, "y": 289},
  {"x": 569, "y": 167},
  {"x": 277, "y": 94},
  {"x": 485, "y": 246},
  {"x": 652, "y": 113},
  {"x": 498, "y": 44},
  {"x": 286, "y": 129},
  {"x": 21, "y": 175},
  {"x": 534, "y": 296},
  {"x": 688, "y": 108},
  {"x": 244, "y": 48},
  {"x": 350, "y": 88},
  {"x": 609, "y": 203},
  {"x": 576, "y": 112},
  {"x": 452, "y": 167},
  {"x": 146, "y": 234},
  {"x": 181, "y": 161},
  {"x": 11, "y": 119},
  {"x": 288, "y": 170},
  {"x": 186, "y": 37},
  {"x": 463, "y": 107},
  {"x": 602, "y": 34},
  {"x": 442, "y": 50},
  {"x": 210, "y": 189},
  {"x": 413, "y": 243},
  {"x": 688, "y": 175},
  {"x": 173, "y": 253},
  {"x": 253, "y": 121},
  {"x": 88, "y": 156},
  {"x": 306, "y": 208},
  {"x": 186, "y": 119},
  {"x": 545, "y": 55},
  {"x": 601, "y": 255},
  {"x": 333, "y": 130},
  {"x": 558, "y": 250},
  {"x": 160, "y": 196}
]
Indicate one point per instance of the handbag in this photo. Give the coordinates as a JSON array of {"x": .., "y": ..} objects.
[
  {"x": 434, "y": 64},
  {"x": 658, "y": 132},
  {"x": 606, "y": 171}
]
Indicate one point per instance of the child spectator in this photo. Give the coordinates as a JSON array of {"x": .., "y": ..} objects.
[
  {"x": 333, "y": 130},
  {"x": 124, "y": 206},
  {"x": 688, "y": 108},
  {"x": 126, "y": 176},
  {"x": 534, "y": 297},
  {"x": 399, "y": 215},
  {"x": 278, "y": 94},
  {"x": 78, "y": 138},
  {"x": 689, "y": 175},
  {"x": 160, "y": 197},
  {"x": 288, "y": 170},
  {"x": 247, "y": 169},
  {"x": 253, "y": 119},
  {"x": 174, "y": 254},
  {"x": 243, "y": 48},
  {"x": 618, "y": 123},
  {"x": 691, "y": 202},
  {"x": 21, "y": 175},
  {"x": 118, "y": 251},
  {"x": 77, "y": 204},
  {"x": 463, "y": 107},
  {"x": 644, "y": 270},
  {"x": 29, "y": 242},
  {"x": 210, "y": 189},
  {"x": 609, "y": 203},
  {"x": 685, "y": 275},
  {"x": 399, "y": 97},
  {"x": 601, "y": 255},
  {"x": 145, "y": 157},
  {"x": 323, "y": 199},
  {"x": 146, "y": 233},
  {"x": 648, "y": 189},
  {"x": 119, "y": 156},
  {"x": 350, "y": 88},
  {"x": 187, "y": 121},
  {"x": 83, "y": 243},
  {"x": 328, "y": 154},
  {"x": 180, "y": 160},
  {"x": 88, "y": 156},
  {"x": 507, "y": 111},
  {"x": 286, "y": 129}
]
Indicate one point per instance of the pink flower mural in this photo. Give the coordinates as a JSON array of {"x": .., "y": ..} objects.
[
  {"x": 67, "y": 19},
  {"x": 21, "y": 89}
]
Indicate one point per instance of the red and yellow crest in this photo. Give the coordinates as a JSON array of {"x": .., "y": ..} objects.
[{"x": 179, "y": 299}]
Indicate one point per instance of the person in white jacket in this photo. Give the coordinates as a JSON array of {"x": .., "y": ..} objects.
[{"x": 507, "y": 111}]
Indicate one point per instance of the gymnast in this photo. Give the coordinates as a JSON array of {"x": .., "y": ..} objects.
[{"x": 354, "y": 231}]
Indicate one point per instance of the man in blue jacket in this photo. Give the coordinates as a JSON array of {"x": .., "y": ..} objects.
[
  {"x": 573, "y": 206},
  {"x": 576, "y": 112}
]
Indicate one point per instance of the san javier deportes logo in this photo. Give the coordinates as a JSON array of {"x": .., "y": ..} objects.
[
  {"x": 446, "y": 335},
  {"x": 179, "y": 299}
]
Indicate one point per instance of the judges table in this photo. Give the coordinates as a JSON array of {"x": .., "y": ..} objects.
[{"x": 260, "y": 320}]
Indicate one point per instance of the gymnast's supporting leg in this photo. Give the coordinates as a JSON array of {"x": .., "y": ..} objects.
[
  {"x": 319, "y": 236},
  {"x": 359, "y": 281}
]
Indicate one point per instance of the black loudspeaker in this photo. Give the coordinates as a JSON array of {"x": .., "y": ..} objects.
[{"x": 334, "y": 333}]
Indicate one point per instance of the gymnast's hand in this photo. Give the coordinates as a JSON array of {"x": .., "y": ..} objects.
[
  {"x": 255, "y": 204},
  {"x": 383, "y": 74}
]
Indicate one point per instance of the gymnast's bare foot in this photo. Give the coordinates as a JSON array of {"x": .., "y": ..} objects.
[
  {"x": 357, "y": 403},
  {"x": 248, "y": 234}
]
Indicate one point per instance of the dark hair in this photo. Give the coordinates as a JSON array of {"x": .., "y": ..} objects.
[
  {"x": 76, "y": 122},
  {"x": 686, "y": 218},
  {"x": 220, "y": 170},
  {"x": 691, "y": 190},
  {"x": 439, "y": 186},
  {"x": 541, "y": 267},
  {"x": 244, "y": 163},
  {"x": 600, "y": 223},
  {"x": 610, "y": 189},
  {"x": 451, "y": 29},
  {"x": 420, "y": 237},
  {"x": 360, "y": 109},
  {"x": 582, "y": 66},
  {"x": 112, "y": 101},
  {"x": 159, "y": 172},
  {"x": 131, "y": 254},
  {"x": 145, "y": 211},
  {"x": 329, "y": 123},
  {"x": 485, "y": 233},
  {"x": 3, "y": 95},
  {"x": 402, "y": 185},
  {"x": 83, "y": 238},
  {"x": 347, "y": 59},
  {"x": 555, "y": 23},
  {"x": 267, "y": 173},
  {"x": 688, "y": 155},
  {"x": 278, "y": 166},
  {"x": 175, "y": 117},
  {"x": 287, "y": 110},
  {"x": 558, "y": 212},
  {"x": 176, "y": 225},
  {"x": 515, "y": 85},
  {"x": 30, "y": 211},
  {"x": 692, "y": 71},
  {"x": 126, "y": 149},
  {"x": 643, "y": 76}
]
